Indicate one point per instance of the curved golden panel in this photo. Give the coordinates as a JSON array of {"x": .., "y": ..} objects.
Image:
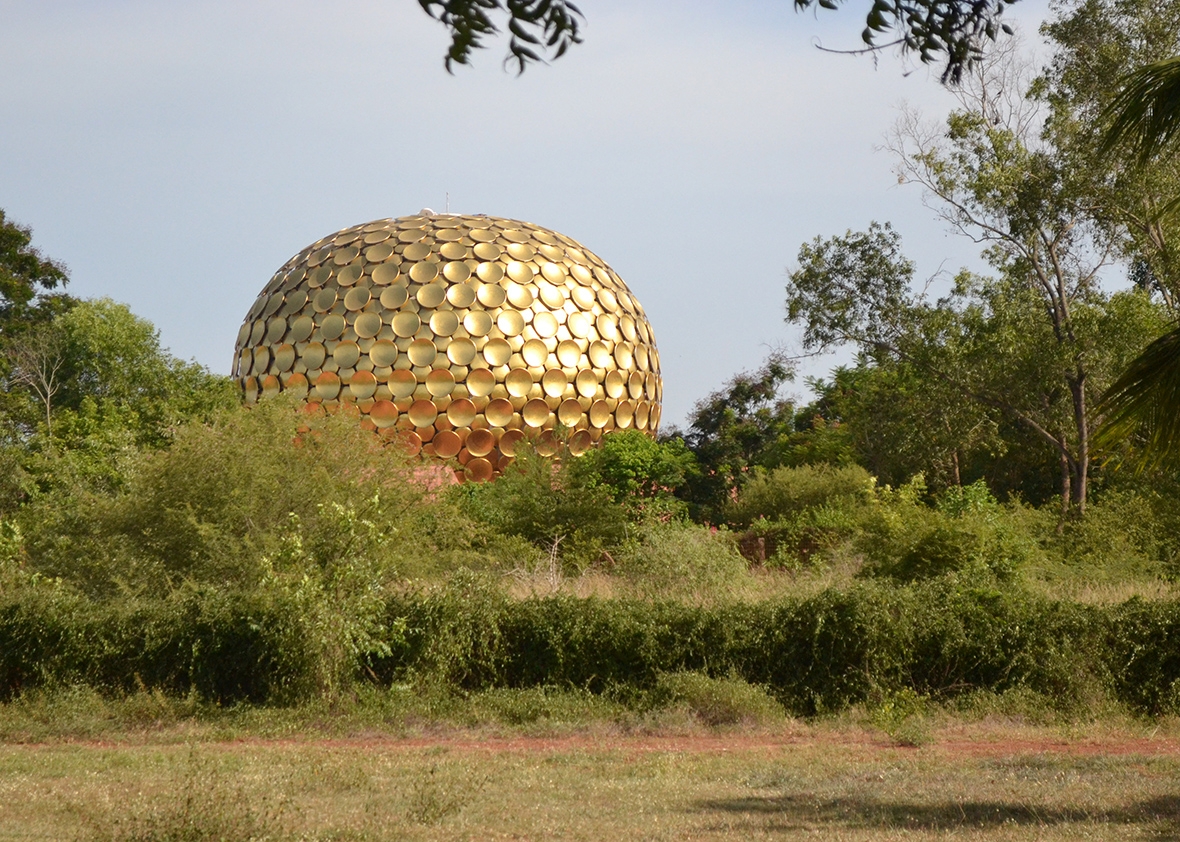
[{"x": 400, "y": 319}]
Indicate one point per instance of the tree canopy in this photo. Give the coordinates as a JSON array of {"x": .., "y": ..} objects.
[{"x": 950, "y": 31}]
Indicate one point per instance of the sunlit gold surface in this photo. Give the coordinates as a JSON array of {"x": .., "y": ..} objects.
[{"x": 458, "y": 336}]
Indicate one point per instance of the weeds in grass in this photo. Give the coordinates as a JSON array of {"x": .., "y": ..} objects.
[
  {"x": 203, "y": 807},
  {"x": 903, "y": 716},
  {"x": 438, "y": 793}
]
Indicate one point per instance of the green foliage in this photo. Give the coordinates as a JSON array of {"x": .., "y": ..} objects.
[
  {"x": 790, "y": 514},
  {"x": 218, "y": 501},
  {"x": 639, "y": 471},
  {"x": 968, "y": 533},
  {"x": 735, "y": 429},
  {"x": 555, "y": 504},
  {"x": 715, "y": 701},
  {"x": 679, "y": 560},
  {"x": 26, "y": 280}
]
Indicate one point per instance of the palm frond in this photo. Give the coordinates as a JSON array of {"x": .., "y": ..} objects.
[
  {"x": 1146, "y": 397},
  {"x": 1145, "y": 114}
]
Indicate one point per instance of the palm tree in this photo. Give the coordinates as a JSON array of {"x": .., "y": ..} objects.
[{"x": 1145, "y": 119}]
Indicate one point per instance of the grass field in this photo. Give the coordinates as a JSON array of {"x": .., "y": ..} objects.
[{"x": 993, "y": 779}]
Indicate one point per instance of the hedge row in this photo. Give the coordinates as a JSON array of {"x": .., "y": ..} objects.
[{"x": 815, "y": 654}]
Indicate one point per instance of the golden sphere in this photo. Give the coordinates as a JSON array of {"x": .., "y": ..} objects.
[{"x": 459, "y": 335}]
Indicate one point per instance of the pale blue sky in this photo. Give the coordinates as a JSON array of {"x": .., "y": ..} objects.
[{"x": 175, "y": 154}]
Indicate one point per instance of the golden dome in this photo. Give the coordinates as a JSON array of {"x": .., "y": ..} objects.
[{"x": 459, "y": 335}]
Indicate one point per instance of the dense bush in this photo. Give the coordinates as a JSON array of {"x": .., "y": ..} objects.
[
  {"x": 789, "y": 514},
  {"x": 943, "y": 639},
  {"x": 221, "y": 499}
]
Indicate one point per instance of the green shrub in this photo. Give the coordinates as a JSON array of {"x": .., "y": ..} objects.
[
  {"x": 553, "y": 506},
  {"x": 682, "y": 560},
  {"x": 715, "y": 701},
  {"x": 790, "y": 514},
  {"x": 967, "y": 531},
  {"x": 219, "y": 500}
]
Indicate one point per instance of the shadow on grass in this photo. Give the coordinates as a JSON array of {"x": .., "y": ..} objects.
[{"x": 1160, "y": 817}]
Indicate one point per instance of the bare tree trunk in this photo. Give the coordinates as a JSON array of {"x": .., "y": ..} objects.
[
  {"x": 1065, "y": 492},
  {"x": 1082, "y": 462}
]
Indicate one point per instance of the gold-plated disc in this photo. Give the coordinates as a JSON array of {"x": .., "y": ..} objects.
[
  {"x": 345, "y": 256},
  {"x": 479, "y": 469},
  {"x": 635, "y": 385},
  {"x": 296, "y": 385},
  {"x": 518, "y": 382},
  {"x": 624, "y": 355},
  {"x": 614, "y": 384},
  {"x": 444, "y": 322},
  {"x": 511, "y": 322},
  {"x": 545, "y": 324},
  {"x": 314, "y": 355},
  {"x": 570, "y": 413},
  {"x": 490, "y": 294},
  {"x": 498, "y": 412},
  {"x": 367, "y": 325},
  {"x": 519, "y": 296},
  {"x": 327, "y": 385},
  {"x": 422, "y": 352},
  {"x": 284, "y": 357},
  {"x": 600, "y": 355},
  {"x": 402, "y": 383},
  {"x": 383, "y": 353},
  {"x": 497, "y": 352},
  {"x": 456, "y": 271},
  {"x": 357, "y": 298},
  {"x": 386, "y": 273},
  {"x": 480, "y": 442},
  {"x": 332, "y": 327},
  {"x": 349, "y": 275},
  {"x": 477, "y": 322},
  {"x": 486, "y": 251},
  {"x": 406, "y": 324},
  {"x": 461, "y": 412},
  {"x": 480, "y": 382},
  {"x": 431, "y": 295},
  {"x": 624, "y": 414},
  {"x": 324, "y": 299},
  {"x": 553, "y": 382},
  {"x": 383, "y": 414},
  {"x": 346, "y": 354},
  {"x": 453, "y": 251},
  {"x": 447, "y": 444},
  {"x": 394, "y": 297},
  {"x": 509, "y": 441},
  {"x": 580, "y": 442},
  {"x": 362, "y": 385},
  {"x": 461, "y": 295},
  {"x": 423, "y": 272},
  {"x": 461, "y": 351},
  {"x": 586, "y": 382},
  {"x": 579, "y": 325},
  {"x": 535, "y": 413},
  {"x": 378, "y": 254},
  {"x": 422, "y": 413},
  {"x": 568, "y": 353},
  {"x": 275, "y": 329},
  {"x": 534, "y": 352},
  {"x": 416, "y": 251},
  {"x": 440, "y": 382},
  {"x": 600, "y": 413}
]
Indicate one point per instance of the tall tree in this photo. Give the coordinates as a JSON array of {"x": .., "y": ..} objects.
[{"x": 28, "y": 279}]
